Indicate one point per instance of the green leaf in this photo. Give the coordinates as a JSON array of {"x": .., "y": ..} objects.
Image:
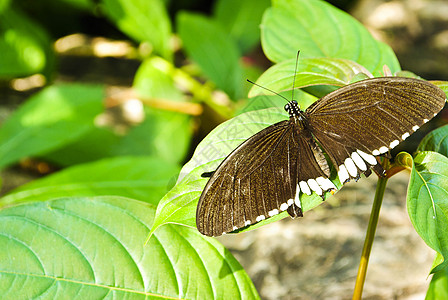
[
  {"x": 438, "y": 288},
  {"x": 4, "y": 4},
  {"x": 179, "y": 205},
  {"x": 436, "y": 140},
  {"x": 144, "y": 21},
  {"x": 310, "y": 71},
  {"x": 24, "y": 45},
  {"x": 143, "y": 178},
  {"x": 154, "y": 79},
  {"x": 318, "y": 29},
  {"x": 96, "y": 143},
  {"x": 242, "y": 20},
  {"x": 93, "y": 248},
  {"x": 165, "y": 134},
  {"x": 50, "y": 119},
  {"x": 427, "y": 199},
  {"x": 441, "y": 84},
  {"x": 217, "y": 55}
]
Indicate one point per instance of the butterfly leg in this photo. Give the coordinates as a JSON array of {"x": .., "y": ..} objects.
[
  {"x": 295, "y": 211},
  {"x": 207, "y": 174}
]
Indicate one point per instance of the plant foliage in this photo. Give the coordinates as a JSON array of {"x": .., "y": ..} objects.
[{"x": 118, "y": 219}]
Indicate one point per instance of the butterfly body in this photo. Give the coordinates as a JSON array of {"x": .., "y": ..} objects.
[{"x": 268, "y": 172}]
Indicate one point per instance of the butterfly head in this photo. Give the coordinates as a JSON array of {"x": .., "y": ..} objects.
[{"x": 292, "y": 108}]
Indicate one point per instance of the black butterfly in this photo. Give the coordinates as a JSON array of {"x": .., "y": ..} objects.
[{"x": 266, "y": 174}]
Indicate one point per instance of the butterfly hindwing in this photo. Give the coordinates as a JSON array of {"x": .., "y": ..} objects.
[{"x": 368, "y": 118}]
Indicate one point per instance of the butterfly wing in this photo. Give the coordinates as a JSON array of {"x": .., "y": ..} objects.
[
  {"x": 257, "y": 180},
  {"x": 368, "y": 118}
]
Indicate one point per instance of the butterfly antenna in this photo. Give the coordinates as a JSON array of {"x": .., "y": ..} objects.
[
  {"x": 250, "y": 81},
  {"x": 295, "y": 72}
]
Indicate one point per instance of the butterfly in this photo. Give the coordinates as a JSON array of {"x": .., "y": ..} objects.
[{"x": 268, "y": 172}]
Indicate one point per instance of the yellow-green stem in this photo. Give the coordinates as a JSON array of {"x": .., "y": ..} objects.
[{"x": 379, "y": 193}]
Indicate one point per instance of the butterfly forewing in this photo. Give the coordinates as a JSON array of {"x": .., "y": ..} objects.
[{"x": 253, "y": 181}]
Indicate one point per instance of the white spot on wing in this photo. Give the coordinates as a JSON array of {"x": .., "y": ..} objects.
[
  {"x": 290, "y": 202},
  {"x": 343, "y": 174},
  {"x": 298, "y": 203},
  {"x": 248, "y": 222},
  {"x": 284, "y": 206},
  {"x": 260, "y": 218},
  {"x": 415, "y": 128},
  {"x": 394, "y": 144},
  {"x": 351, "y": 167},
  {"x": 405, "y": 136},
  {"x": 234, "y": 228},
  {"x": 315, "y": 186},
  {"x": 273, "y": 212},
  {"x": 304, "y": 188},
  {"x": 297, "y": 195},
  {"x": 370, "y": 159},
  {"x": 383, "y": 149},
  {"x": 358, "y": 161},
  {"x": 326, "y": 183},
  {"x": 425, "y": 120}
]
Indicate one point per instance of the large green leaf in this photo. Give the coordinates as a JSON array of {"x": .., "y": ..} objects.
[
  {"x": 142, "y": 20},
  {"x": 143, "y": 178},
  {"x": 318, "y": 29},
  {"x": 217, "y": 55},
  {"x": 93, "y": 248},
  {"x": 50, "y": 119},
  {"x": 242, "y": 20},
  {"x": 310, "y": 71},
  {"x": 24, "y": 45},
  {"x": 179, "y": 205},
  {"x": 427, "y": 199}
]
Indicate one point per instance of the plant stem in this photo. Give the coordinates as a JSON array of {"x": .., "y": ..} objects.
[{"x": 379, "y": 193}]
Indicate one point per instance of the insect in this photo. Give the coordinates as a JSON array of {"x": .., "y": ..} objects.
[{"x": 266, "y": 174}]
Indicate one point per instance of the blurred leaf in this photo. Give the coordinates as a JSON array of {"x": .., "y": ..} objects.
[
  {"x": 50, "y": 119},
  {"x": 142, "y": 178},
  {"x": 154, "y": 79},
  {"x": 318, "y": 29},
  {"x": 165, "y": 134},
  {"x": 4, "y": 4},
  {"x": 93, "y": 248},
  {"x": 310, "y": 71},
  {"x": 144, "y": 21},
  {"x": 427, "y": 199},
  {"x": 96, "y": 143},
  {"x": 438, "y": 288},
  {"x": 81, "y": 4},
  {"x": 24, "y": 46},
  {"x": 242, "y": 20},
  {"x": 179, "y": 205},
  {"x": 217, "y": 55},
  {"x": 436, "y": 140}
]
